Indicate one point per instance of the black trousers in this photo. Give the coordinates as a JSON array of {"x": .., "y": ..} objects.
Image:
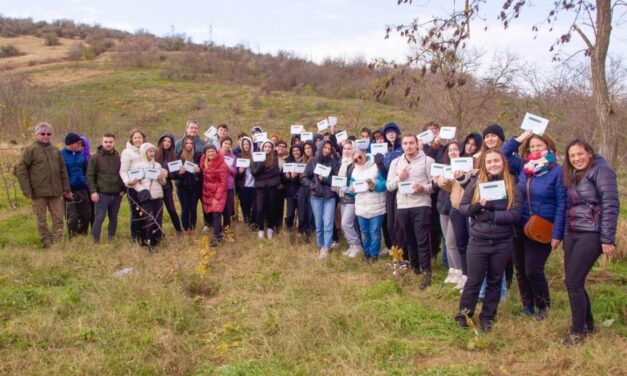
[
  {"x": 215, "y": 220},
  {"x": 460, "y": 228},
  {"x": 229, "y": 207},
  {"x": 486, "y": 259},
  {"x": 168, "y": 201},
  {"x": 436, "y": 229},
  {"x": 292, "y": 206},
  {"x": 135, "y": 217},
  {"x": 581, "y": 251},
  {"x": 266, "y": 211},
  {"x": 188, "y": 197},
  {"x": 246, "y": 200},
  {"x": 306, "y": 222},
  {"x": 529, "y": 260},
  {"x": 414, "y": 225},
  {"x": 151, "y": 219},
  {"x": 279, "y": 208},
  {"x": 78, "y": 212},
  {"x": 390, "y": 220}
]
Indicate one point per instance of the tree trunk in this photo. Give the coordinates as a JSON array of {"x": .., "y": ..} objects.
[{"x": 600, "y": 91}]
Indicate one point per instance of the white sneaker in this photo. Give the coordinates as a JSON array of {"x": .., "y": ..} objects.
[
  {"x": 261, "y": 234},
  {"x": 270, "y": 233},
  {"x": 384, "y": 251},
  {"x": 324, "y": 252},
  {"x": 450, "y": 277},
  {"x": 333, "y": 245},
  {"x": 205, "y": 229},
  {"x": 457, "y": 275},
  {"x": 353, "y": 251},
  {"x": 462, "y": 282}
]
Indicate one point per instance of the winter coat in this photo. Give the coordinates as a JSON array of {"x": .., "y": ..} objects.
[
  {"x": 76, "y": 165},
  {"x": 266, "y": 177},
  {"x": 232, "y": 170},
  {"x": 245, "y": 178},
  {"x": 346, "y": 170},
  {"x": 495, "y": 222},
  {"x": 593, "y": 203},
  {"x": 188, "y": 180},
  {"x": 369, "y": 204},
  {"x": 128, "y": 161},
  {"x": 394, "y": 151},
  {"x": 166, "y": 157},
  {"x": 214, "y": 183},
  {"x": 41, "y": 171},
  {"x": 419, "y": 168},
  {"x": 509, "y": 149},
  {"x": 153, "y": 185},
  {"x": 292, "y": 184},
  {"x": 320, "y": 189},
  {"x": 103, "y": 172}
]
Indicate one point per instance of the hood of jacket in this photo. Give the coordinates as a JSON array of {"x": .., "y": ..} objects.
[
  {"x": 291, "y": 157},
  {"x": 392, "y": 126},
  {"x": 144, "y": 148},
  {"x": 478, "y": 141},
  {"x": 313, "y": 148}
]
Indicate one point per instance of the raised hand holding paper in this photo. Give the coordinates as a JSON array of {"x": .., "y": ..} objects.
[
  {"x": 341, "y": 136},
  {"x": 426, "y": 137},
  {"x": 492, "y": 190},
  {"x": 259, "y": 156},
  {"x": 448, "y": 133},
  {"x": 306, "y": 136},
  {"x": 175, "y": 166},
  {"x": 322, "y": 170},
  {"x": 242, "y": 162},
  {"x": 137, "y": 173},
  {"x": 190, "y": 167},
  {"x": 332, "y": 121},
  {"x": 322, "y": 125},
  {"x": 297, "y": 129},
  {"x": 406, "y": 187},
  {"x": 534, "y": 123},
  {"x": 462, "y": 164},
  {"x": 288, "y": 167},
  {"x": 338, "y": 181},
  {"x": 381, "y": 148},
  {"x": 437, "y": 169},
  {"x": 299, "y": 168},
  {"x": 228, "y": 160},
  {"x": 360, "y": 186},
  {"x": 362, "y": 144},
  {"x": 262, "y": 137},
  {"x": 212, "y": 131}
]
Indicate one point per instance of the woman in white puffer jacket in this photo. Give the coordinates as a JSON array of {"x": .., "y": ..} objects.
[
  {"x": 129, "y": 159},
  {"x": 151, "y": 208}
]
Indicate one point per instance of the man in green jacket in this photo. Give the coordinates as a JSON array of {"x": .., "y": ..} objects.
[{"x": 43, "y": 179}]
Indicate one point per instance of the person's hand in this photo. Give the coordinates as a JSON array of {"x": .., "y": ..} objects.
[
  {"x": 352, "y": 188},
  {"x": 524, "y": 136},
  {"x": 444, "y": 183},
  {"x": 196, "y": 170},
  {"x": 437, "y": 142},
  {"x": 182, "y": 170},
  {"x": 133, "y": 182},
  {"x": 163, "y": 174},
  {"x": 483, "y": 203},
  {"x": 321, "y": 178},
  {"x": 458, "y": 175},
  {"x": 404, "y": 175},
  {"x": 241, "y": 170},
  {"x": 69, "y": 195},
  {"x": 608, "y": 249},
  {"x": 555, "y": 243},
  {"x": 95, "y": 197},
  {"x": 474, "y": 172},
  {"x": 417, "y": 187}
]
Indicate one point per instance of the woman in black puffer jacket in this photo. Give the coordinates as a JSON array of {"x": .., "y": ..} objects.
[
  {"x": 591, "y": 219},
  {"x": 267, "y": 178}
]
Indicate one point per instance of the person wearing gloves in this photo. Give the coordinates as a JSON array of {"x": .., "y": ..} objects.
[
  {"x": 225, "y": 144},
  {"x": 590, "y": 231},
  {"x": 129, "y": 161},
  {"x": 541, "y": 181},
  {"x": 267, "y": 179},
  {"x": 491, "y": 237},
  {"x": 413, "y": 214},
  {"x": 369, "y": 203},
  {"x": 214, "y": 174},
  {"x": 347, "y": 202},
  {"x": 166, "y": 154},
  {"x": 150, "y": 204},
  {"x": 322, "y": 196},
  {"x": 78, "y": 208},
  {"x": 246, "y": 182}
]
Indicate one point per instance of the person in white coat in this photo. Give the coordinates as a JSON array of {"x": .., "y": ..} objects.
[
  {"x": 151, "y": 206},
  {"x": 128, "y": 162}
]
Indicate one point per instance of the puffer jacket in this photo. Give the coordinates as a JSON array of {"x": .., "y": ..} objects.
[
  {"x": 41, "y": 171},
  {"x": 320, "y": 189},
  {"x": 369, "y": 204},
  {"x": 214, "y": 183},
  {"x": 419, "y": 168},
  {"x": 153, "y": 185},
  {"x": 76, "y": 165},
  {"x": 103, "y": 172},
  {"x": 593, "y": 203},
  {"x": 128, "y": 161},
  {"x": 495, "y": 221},
  {"x": 188, "y": 179},
  {"x": 266, "y": 177},
  {"x": 292, "y": 184},
  {"x": 394, "y": 151}
]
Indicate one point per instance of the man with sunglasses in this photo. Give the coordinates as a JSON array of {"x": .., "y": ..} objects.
[{"x": 43, "y": 179}]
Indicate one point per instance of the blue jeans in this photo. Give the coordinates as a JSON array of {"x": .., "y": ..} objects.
[
  {"x": 324, "y": 213},
  {"x": 109, "y": 204},
  {"x": 371, "y": 234}
]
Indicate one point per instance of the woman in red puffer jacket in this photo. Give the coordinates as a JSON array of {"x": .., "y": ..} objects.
[{"x": 214, "y": 189}]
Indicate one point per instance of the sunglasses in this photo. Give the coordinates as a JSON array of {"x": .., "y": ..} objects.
[
  {"x": 358, "y": 158},
  {"x": 46, "y": 134}
]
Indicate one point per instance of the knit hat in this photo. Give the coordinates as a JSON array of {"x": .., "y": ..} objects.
[
  {"x": 143, "y": 149},
  {"x": 43, "y": 128},
  {"x": 209, "y": 146},
  {"x": 496, "y": 129},
  {"x": 72, "y": 138}
]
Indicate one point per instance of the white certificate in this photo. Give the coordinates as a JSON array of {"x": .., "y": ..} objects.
[
  {"x": 362, "y": 144},
  {"x": 259, "y": 156},
  {"x": 190, "y": 166},
  {"x": 332, "y": 120},
  {"x": 437, "y": 169},
  {"x": 152, "y": 173},
  {"x": 462, "y": 164},
  {"x": 212, "y": 131},
  {"x": 299, "y": 168},
  {"x": 322, "y": 125},
  {"x": 242, "y": 162},
  {"x": 322, "y": 170},
  {"x": 448, "y": 173},
  {"x": 175, "y": 166},
  {"x": 306, "y": 136},
  {"x": 297, "y": 129},
  {"x": 341, "y": 136},
  {"x": 137, "y": 173},
  {"x": 381, "y": 148},
  {"x": 534, "y": 123},
  {"x": 288, "y": 167},
  {"x": 338, "y": 181},
  {"x": 426, "y": 136},
  {"x": 493, "y": 190},
  {"x": 448, "y": 133},
  {"x": 360, "y": 186},
  {"x": 228, "y": 160},
  {"x": 406, "y": 187},
  {"x": 261, "y": 137}
]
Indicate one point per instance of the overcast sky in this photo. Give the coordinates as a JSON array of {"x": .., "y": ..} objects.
[{"x": 311, "y": 29}]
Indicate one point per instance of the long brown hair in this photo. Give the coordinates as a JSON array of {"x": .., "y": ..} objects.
[
  {"x": 188, "y": 155},
  {"x": 270, "y": 157},
  {"x": 571, "y": 175},
  {"x": 484, "y": 177},
  {"x": 548, "y": 141}
]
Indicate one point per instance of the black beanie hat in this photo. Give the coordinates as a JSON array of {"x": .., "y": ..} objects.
[
  {"x": 72, "y": 138},
  {"x": 496, "y": 129}
]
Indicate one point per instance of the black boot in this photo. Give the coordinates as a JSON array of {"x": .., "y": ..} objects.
[{"x": 426, "y": 280}]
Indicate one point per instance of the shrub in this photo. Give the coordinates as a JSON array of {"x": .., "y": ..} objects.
[
  {"x": 10, "y": 51},
  {"x": 51, "y": 39}
]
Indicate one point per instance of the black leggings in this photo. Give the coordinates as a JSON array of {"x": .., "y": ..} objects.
[
  {"x": 168, "y": 201},
  {"x": 581, "y": 251},
  {"x": 460, "y": 228},
  {"x": 529, "y": 260},
  {"x": 246, "y": 200},
  {"x": 215, "y": 219},
  {"x": 266, "y": 207},
  {"x": 188, "y": 197},
  {"x": 229, "y": 207}
]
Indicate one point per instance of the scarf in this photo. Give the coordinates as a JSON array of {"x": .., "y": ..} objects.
[{"x": 539, "y": 164}]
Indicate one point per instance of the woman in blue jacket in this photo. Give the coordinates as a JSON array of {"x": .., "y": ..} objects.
[{"x": 541, "y": 181}]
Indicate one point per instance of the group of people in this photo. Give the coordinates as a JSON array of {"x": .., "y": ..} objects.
[{"x": 390, "y": 196}]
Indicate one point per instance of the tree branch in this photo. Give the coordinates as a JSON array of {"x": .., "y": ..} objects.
[{"x": 584, "y": 37}]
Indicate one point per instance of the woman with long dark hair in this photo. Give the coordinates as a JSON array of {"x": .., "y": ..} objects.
[
  {"x": 188, "y": 184},
  {"x": 246, "y": 181},
  {"x": 291, "y": 181},
  {"x": 165, "y": 154},
  {"x": 267, "y": 179},
  {"x": 226, "y": 143},
  {"x": 306, "y": 221}
]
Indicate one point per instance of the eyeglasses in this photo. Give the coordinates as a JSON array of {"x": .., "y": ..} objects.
[
  {"x": 359, "y": 158},
  {"x": 46, "y": 134}
]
